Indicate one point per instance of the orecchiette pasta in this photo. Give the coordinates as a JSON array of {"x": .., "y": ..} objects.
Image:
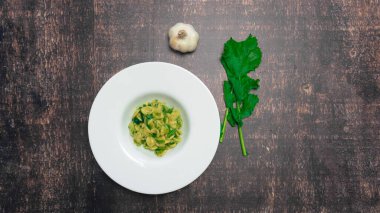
[{"x": 156, "y": 126}]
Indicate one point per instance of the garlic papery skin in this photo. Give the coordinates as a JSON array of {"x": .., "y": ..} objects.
[{"x": 183, "y": 37}]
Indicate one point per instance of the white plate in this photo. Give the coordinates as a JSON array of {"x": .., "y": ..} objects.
[{"x": 139, "y": 169}]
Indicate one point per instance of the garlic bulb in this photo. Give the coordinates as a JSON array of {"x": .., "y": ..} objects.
[{"x": 183, "y": 37}]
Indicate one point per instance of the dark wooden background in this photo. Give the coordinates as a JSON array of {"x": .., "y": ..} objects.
[{"x": 314, "y": 139}]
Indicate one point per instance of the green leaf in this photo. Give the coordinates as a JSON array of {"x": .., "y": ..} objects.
[
  {"x": 229, "y": 97},
  {"x": 136, "y": 120},
  {"x": 250, "y": 84},
  {"x": 243, "y": 90},
  {"x": 167, "y": 109},
  {"x": 159, "y": 151},
  {"x": 170, "y": 144},
  {"x": 149, "y": 117},
  {"x": 248, "y": 105},
  {"x": 160, "y": 141},
  {"x": 231, "y": 120},
  {"x": 236, "y": 115},
  {"x": 239, "y": 58},
  {"x": 171, "y": 132},
  {"x": 226, "y": 68},
  {"x": 243, "y": 86}
]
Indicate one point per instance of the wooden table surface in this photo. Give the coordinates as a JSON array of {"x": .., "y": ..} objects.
[{"x": 314, "y": 138}]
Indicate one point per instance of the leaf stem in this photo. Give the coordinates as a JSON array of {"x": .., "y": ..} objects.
[
  {"x": 223, "y": 131},
  {"x": 241, "y": 137},
  {"x": 242, "y": 145}
]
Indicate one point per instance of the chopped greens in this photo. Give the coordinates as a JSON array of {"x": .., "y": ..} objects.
[{"x": 156, "y": 126}]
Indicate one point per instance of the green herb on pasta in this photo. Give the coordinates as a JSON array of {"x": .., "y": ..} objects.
[{"x": 156, "y": 126}]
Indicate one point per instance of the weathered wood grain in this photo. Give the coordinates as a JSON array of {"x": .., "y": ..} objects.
[{"x": 314, "y": 139}]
